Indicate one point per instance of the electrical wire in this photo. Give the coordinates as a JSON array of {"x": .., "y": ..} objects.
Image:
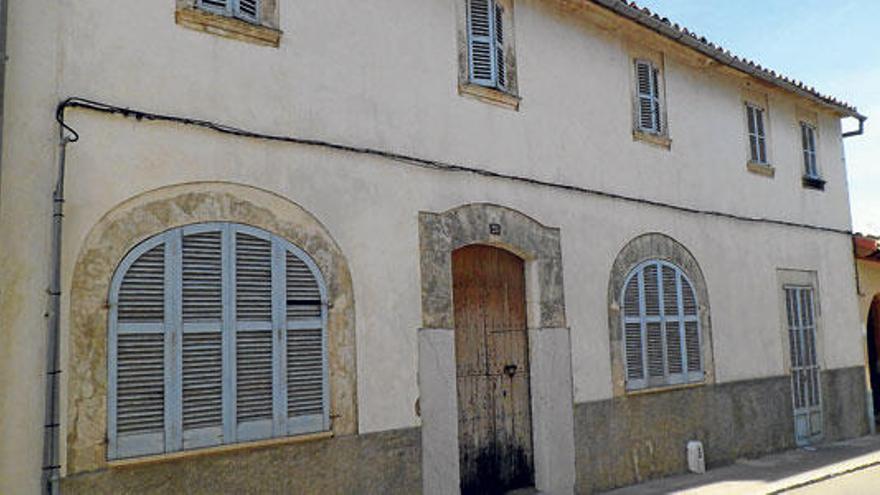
[{"x": 96, "y": 106}]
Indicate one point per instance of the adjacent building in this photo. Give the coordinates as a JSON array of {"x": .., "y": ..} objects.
[
  {"x": 397, "y": 247},
  {"x": 867, "y": 252}
]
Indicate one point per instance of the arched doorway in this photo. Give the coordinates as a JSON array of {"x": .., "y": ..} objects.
[
  {"x": 873, "y": 334},
  {"x": 534, "y": 253},
  {"x": 492, "y": 370}
]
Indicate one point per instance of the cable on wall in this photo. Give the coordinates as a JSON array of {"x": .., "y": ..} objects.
[{"x": 96, "y": 106}]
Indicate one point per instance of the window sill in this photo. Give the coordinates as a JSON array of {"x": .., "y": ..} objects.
[
  {"x": 490, "y": 95},
  {"x": 667, "y": 388},
  {"x": 219, "y": 449},
  {"x": 228, "y": 27},
  {"x": 659, "y": 140},
  {"x": 764, "y": 169},
  {"x": 813, "y": 183}
]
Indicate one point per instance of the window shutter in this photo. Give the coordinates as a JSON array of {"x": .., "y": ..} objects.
[
  {"x": 142, "y": 293},
  {"x": 137, "y": 358},
  {"x": 212, "y": 328},
  {"x": 655, "y": 94},
  {"x": 248, "y": 10},
  {"x": 253, "y": 339},
  {"x": 217, "y": 6},
  {"x": 812, "y": 142},
  {"x": 648, "y": 111},
  {"x": 481, "y": 43},
  {"x": 202, "y": 308},
  {"x": 633, "y": 345},
  {"x": 757, "y": 137},
  {"x": 306, "y": 362},
  {"x": 808, "y": 140},
  {"x": 672, "y": 321},
  {"x": 691, "y": 330},
  {"x": 762, "y": 145},
  {"x": 500, "y": 63},
  {"x": 661, "y": 327},
  {"x": 753, "y": 136}
]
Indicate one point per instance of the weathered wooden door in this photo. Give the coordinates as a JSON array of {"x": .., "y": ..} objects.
[
  {"x": 491, "y": 350},
  {"x": 806, "y": 388}
]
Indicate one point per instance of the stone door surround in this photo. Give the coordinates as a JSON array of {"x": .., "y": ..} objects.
[{"x": 549, "y": 342}]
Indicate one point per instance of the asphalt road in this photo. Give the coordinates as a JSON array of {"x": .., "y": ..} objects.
[{"x": 863, "y": 482}]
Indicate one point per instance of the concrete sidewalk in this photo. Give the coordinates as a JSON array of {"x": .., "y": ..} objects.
[{"x": 775, "y": 473}]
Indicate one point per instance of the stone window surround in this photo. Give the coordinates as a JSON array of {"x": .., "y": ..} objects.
[
  {"x": 266, "y": 33},
  {"x": 549, "y": 342},
  {"x": 508, "y": 98},
  {"x": 646, "y": 247},
  {"x": 143, "y": 216}
]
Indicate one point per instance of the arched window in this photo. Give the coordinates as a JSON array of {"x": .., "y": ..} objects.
[
  {"x": 217, "y": 336},
  {"x": 661, "y": 327}
]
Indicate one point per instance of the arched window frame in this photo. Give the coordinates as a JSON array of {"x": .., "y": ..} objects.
[
  {"x": 668, "y": 378},
  {"x": 173, "y": 437}
]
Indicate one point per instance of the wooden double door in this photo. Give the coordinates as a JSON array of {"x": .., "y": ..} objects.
[{"x": 492, "y": 365}]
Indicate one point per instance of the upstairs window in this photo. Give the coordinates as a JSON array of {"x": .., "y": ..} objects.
[
  {"x": 757, "y": 134},
  {"x": 217, "y": 336},
  {"x": 247, "y": 10},
  {"x": 486, "y": 50},
  {"x": 661, "y": 327},
  {"x": 649, "y": 111},
  {"x": 808, "y": 143}
]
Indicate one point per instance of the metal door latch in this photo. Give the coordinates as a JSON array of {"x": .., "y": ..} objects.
[{"x": 510, "y": 370}]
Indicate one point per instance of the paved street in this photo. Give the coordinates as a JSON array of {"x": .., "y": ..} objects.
[
  {"x": 862, "y": 482},
  {"x": 851, "y": 467}
]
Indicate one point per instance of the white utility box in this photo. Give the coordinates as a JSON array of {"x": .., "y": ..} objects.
[{"x": 696, "y": 457}]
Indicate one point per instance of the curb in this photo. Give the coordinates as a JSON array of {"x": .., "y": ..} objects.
[{"x": 826, "y": 477}]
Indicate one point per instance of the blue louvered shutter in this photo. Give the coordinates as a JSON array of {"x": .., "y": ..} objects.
[
  {"x": 481, "y": 42},
  {"x": 217, "y": 335},
  {"x": 202, "y": 347},
  {"x": 307, "y": 404},
  {"x": 808, "y": 141},
  {"x": 254, "y": 337},
  {"x": 248, "y": 10},
  {"x": 648, "y": 97},
  {"x": 138, "y": 355},
  {"x": 660, "y": 327},
  {"x": 634, "y": 344},
  {"x": 498, "y": 42},
  {"x": 757, "y": 136},
  {"x": 223, "y": 7}
]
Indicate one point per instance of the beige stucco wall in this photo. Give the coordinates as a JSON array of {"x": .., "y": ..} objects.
[
  {"x": 25, "y": 214},
  {"x": 383, "y": 74}
]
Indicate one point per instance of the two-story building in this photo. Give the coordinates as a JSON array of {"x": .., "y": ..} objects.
[{"x": 401, "y": 247}]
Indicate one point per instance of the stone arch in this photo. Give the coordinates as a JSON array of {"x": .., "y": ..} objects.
[
  {"x": 648, "y": 246},
  {"x": 538, "y": 245},
  {"x": 549, "y": 341},
  {"x": 141, "y": 217}
]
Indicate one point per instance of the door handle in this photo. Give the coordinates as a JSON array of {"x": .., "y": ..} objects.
[{"x": 510, "y": 370}]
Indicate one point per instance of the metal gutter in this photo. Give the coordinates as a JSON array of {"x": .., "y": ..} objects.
[
  {"x": 4, "y": 7},
  {"x": 857, "y": 132},
  {"x": 681, "y": 35},
  {"x": 51, "y": 425}
]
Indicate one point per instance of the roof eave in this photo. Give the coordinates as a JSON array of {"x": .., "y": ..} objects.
[{"x": 725, "y": 57}]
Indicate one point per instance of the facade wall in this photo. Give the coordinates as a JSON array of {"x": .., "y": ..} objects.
[
  {"x": 29, "y": 163},
  {"x": 383, "y": 74}
]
